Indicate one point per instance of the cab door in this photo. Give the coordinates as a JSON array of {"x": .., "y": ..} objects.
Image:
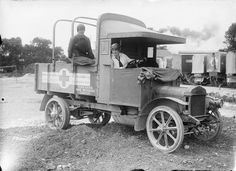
[
  {"x": 104, "y": 72},
  {"x": 124, "y": 88}
]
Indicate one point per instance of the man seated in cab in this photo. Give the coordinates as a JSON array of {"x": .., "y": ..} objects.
[
  {"x": 80, "y": 48},
  {"x": 120, "y": 60}
]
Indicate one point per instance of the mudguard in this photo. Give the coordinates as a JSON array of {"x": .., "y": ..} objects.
[
  {"x": 175, "y": 103},
  {"x": 46, "y": 97}
]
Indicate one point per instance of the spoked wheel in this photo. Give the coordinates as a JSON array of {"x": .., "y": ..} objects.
[
  {"x": 210, "y": 128},
  {"x": 100, "y": 118},
  {"x": 57, "y": 113},
  {"x": 165, "y": 129}
]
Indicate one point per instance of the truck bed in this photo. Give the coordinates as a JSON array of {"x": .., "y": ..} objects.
[{"x": 64, "y": 80}]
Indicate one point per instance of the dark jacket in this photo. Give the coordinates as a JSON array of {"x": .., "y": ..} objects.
[{"x": 80, "y": 46}]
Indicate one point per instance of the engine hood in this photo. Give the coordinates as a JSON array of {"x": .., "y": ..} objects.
[{"x": 178, "y": 92}]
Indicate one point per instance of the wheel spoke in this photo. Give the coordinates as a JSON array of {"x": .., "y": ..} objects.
[
  {"x": 58, "y": 121},
  {"x": 155, "y": 129},
  {"x": 53, "y": 105},
  {"x": 59, "y": 109},
  {"x": 50, "y": 109},
  {"x": 171, "y": 128},
  {"x": 99, "y": 119},
  {"x": 60, "y": 114},
  {"x": 53, "y": 109},
  {"x": 57, "y": 114},
  {"x": 166, "y": 140},
  {"x": 162, "y": 117},
  {"x": 103, "y": 115},
  {"x": 93, "y": 120},
  {"x": 157, "y": 121},
  {"x": 159, "y": 137},
  {"x": 56, "y": 107},
  {"x": 96, "y": 120},
  {"x": 168, "y": 121},
  {"x": 50, "y": 106},
  {"x": 171, "y": 136},
  {"x": 54, "y": 122},
  {"x": 49, "y": 113}
]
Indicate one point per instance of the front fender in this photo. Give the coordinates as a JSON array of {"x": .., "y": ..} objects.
[
  {"x": 213, "y": 103},
  {"x": 174, "y": 103}
]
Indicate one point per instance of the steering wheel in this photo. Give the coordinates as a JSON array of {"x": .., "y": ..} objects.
[{"x": 133, "y": 64}]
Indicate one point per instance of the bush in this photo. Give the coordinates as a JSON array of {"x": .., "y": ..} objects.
[{"x": 30, "y": 68}]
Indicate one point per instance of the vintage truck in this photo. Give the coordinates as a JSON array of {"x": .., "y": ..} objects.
[{"x": 141, "y": 95}]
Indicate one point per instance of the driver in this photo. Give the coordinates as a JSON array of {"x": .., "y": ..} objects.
[{"x": 120, "y": 60}]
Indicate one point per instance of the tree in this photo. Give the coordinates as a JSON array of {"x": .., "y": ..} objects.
[
  {"x": 59, "y": 53},
  {"x": 12, "y": 51},
  {"x": 230, "y": 36},
  {"x": 39, "y": 51},
  {"x": 41, "y": 43}
]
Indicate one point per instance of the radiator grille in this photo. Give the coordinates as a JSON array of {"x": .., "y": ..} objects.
[{"x": 197, "y": 105}]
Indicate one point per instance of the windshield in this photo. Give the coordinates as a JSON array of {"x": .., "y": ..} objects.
[{"x": 136, "y": 48}]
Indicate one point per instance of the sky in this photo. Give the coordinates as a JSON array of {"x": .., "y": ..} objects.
[{"x": 202, "y": 22}]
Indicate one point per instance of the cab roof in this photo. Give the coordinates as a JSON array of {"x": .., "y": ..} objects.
[{"x": 120, "y": 26}]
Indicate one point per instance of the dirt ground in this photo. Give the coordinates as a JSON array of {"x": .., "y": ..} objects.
[{"x": 27, "y": 144}]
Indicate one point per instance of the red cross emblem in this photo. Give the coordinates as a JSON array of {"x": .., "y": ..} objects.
[{"x": 64, "y": 78}]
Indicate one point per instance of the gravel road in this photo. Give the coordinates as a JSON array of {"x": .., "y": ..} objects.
[{"x": 27, "y": 144}]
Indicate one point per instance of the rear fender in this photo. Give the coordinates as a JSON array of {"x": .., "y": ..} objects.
[
  {"x": 46, "y": 97},
  {"x": 174, "y": 103}
]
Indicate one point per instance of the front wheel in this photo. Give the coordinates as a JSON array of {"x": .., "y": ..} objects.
[
  {"x": 57, "y": 113},
  {"x": 210, "y": 128},
  {"x": 165, "y": 129}
]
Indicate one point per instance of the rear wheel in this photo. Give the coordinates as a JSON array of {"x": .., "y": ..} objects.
[
  {"x": 165, "y": 129},
  {"x": 100, "y": 118},
  {"x": 57, "y": 113},
  {"x": 210, "y": 128}
]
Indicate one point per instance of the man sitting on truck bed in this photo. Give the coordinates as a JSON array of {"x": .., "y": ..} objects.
[
  {"x": 80, "y": 48},
  {"x": 120, "y": 60}
]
